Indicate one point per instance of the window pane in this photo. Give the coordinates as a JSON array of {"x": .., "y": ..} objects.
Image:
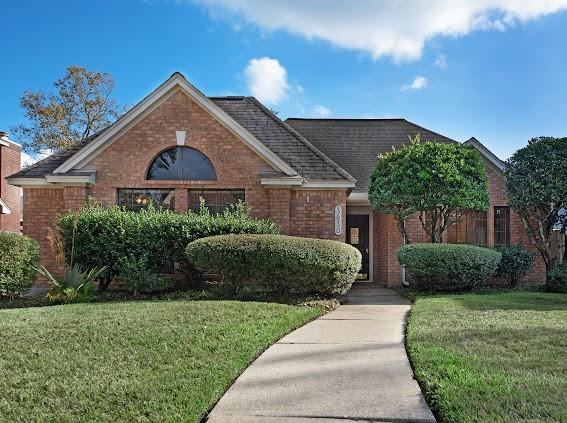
[
  {"x": 136, "y": 199},
  {"x": 182, "y": 163},
  {"x": 471, "y": 228},
  {"x": 501, "y": 225},
  {"x": 216, "y": 201}
]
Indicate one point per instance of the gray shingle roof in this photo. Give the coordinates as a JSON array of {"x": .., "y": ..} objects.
[
  {"x": 49, "y": 164},
  {"x": 354, "y": 143},
  {"x": 282, "y": 139},
  {"x": 275, "y": 134}
]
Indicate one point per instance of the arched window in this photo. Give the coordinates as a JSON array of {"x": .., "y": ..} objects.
[{"x": 182, "y": 163}]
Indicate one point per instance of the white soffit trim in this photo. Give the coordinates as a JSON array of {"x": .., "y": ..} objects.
[
  {"x": 285, "y": 181},
  {"x": 358, "y": 197},
  {"x": 4, "y": 209},
  {"x": 28, "y": 182},
  {"x": 301, "y": 183},
  {"x": 486, "y": 153},
  {"x": 177, "y": 81},
  {"x": 71, "y": 179},
  {"x": 5, "y": 144},
  {"x": 329, "y": 184}
]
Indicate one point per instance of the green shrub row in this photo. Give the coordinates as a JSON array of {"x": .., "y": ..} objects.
[
  {"x": 448, "y": 267},
  {"x": 19, "y": 257},
  {"x": 111, "y": 236},
  {"x": 281, "y": 263}
]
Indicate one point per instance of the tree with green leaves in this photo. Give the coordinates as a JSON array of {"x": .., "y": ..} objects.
[
  {"x": 435, "y": 180},
  {"x": 81, "y": 106},
  {"x": 536, "y": 178}
]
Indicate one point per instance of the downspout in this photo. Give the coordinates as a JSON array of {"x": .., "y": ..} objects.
[{"x": 404, "y": 281}]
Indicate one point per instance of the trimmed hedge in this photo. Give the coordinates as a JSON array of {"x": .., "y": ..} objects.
[
  {"x": 515, "y": 264},
  {"x": 110, "y": 236},
  {"x": 19, "y": 258},
  {"x": 557, "y": 279},
  {"x": 281, "y": 263},
  {"x": 448, "y": 267}
]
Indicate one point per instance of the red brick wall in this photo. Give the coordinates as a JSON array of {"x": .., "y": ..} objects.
[
  {"x": 41, "y": 207},
  {"x": 125, "y": 162},
  {"x": 312, "y": 213},
  {"x": 387, "y": 238},
  {"x": 10, "y": 164}
]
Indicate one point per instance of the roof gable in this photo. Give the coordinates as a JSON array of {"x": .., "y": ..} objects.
[{"x": 176, "y": 82}]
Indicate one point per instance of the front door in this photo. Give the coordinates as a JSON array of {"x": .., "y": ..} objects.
[{"x": 358, "y": 237}]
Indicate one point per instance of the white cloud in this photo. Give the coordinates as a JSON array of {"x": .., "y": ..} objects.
[
  {"x": 441, "y": 62},
  {"x": 383, "y": 28},
  {"x": 267, "y": 80},
  {"x": 419, "y": 83},
  {"x": 28, "y": 159},
  {"x": 321, "y": 111},
  {"x": 299, "y": 89}
]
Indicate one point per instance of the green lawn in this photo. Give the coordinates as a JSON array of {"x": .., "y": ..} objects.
[
  {"x": 144, "y": 361},
  {"x": 499, "y": 357}
]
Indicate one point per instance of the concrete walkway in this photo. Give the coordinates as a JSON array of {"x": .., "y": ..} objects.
[{"x": 349, "y": 365}]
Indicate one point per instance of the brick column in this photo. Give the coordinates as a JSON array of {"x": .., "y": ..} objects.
[
  {"x": 181, "y": 200},
  {"x": 41, "y": 208},
  {"x": 279, "y": 201}
]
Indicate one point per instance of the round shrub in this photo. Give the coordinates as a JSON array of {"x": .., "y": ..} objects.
[
  {"x": 19, "y": 258},
  {"x": 281, "y": 263},
  {"x": 557, "y": 279},
  {"x": 515, "y": 264},
  {"x": 448, "y": 267}
]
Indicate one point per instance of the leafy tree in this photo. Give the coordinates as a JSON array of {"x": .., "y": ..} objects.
[
  {"x": 81, "y": 106},
  {"x": 536, "y": 178},
  {"x": 436, "y": 180}
]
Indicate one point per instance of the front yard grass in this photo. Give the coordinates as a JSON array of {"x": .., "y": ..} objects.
[
  {"x": 496, "y": 357},
  {"x": 143, "y": 361}
]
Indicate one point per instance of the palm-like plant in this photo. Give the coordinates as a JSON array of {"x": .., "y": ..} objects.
[{"x": 73, "y": 285}]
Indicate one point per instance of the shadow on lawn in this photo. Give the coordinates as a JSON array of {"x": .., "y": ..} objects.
[
  {"x": 513, "y": 300},
  {"x": 496, "y": 299},
  {"x": 198, "y": 294}
]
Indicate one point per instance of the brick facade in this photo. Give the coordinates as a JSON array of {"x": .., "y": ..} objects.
[
  {"x": 10, "y": 163},
  {"x": 301, "y": 212},
  {"x": 387, "y": 238},
  {"x": 124, "y": 164}
]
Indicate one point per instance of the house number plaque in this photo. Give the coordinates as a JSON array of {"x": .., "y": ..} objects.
[{"x": 338, "y": 220}]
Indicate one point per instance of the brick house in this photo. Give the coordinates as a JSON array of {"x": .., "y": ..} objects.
[
  {"x": 309, "y": 175},
  {"x": 10, "y": 196}
]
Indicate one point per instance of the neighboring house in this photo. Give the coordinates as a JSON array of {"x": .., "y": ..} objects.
[
  {"x": 309, "y": 175},
  {"x": 10, "y": 196}
]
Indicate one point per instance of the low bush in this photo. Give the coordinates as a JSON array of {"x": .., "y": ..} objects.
[
  {"x": 448, "y": 267},
  {"x": 109, "y": 235},
  {"x": 73, "y": 286},
  {"x": 281, "y": 263},
  {"x": 19, "y": 257},
  {"x": 515, "y": 264},
  {"x": 135, "y": 273},
  {"x": 557, "y": 279}
]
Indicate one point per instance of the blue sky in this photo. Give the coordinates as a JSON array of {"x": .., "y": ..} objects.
[{"x": 498, "y": 73}]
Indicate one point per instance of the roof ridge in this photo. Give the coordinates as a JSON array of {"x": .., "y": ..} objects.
[
  {"x": 433, "y": 132},
  {"x": 227, "y": 97},
  {"x": 344, "y": 119},
  {"x": 302, "y": 139}
]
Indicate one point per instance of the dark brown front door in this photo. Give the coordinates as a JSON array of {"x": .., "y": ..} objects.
[{"x": 358, "y": 237}]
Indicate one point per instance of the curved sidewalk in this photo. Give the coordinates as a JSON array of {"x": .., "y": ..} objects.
[{"x": 349, "y": 365}]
